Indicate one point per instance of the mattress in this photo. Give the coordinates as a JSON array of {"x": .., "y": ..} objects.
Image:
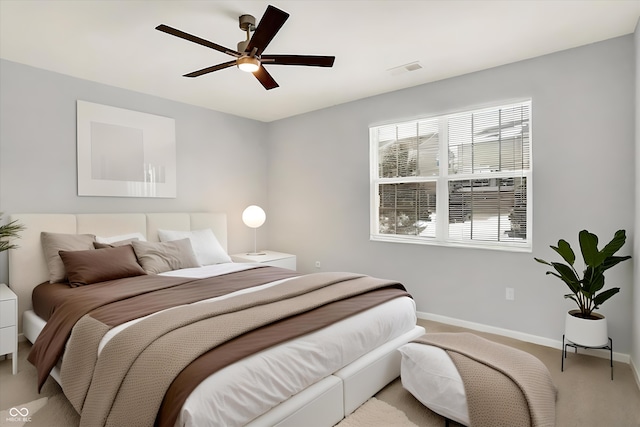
[{"x": 239, "y": 393}]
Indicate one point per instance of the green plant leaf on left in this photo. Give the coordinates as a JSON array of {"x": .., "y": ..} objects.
[{"x": 7, "y": 233}]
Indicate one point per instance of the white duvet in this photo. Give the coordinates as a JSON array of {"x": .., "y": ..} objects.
[{"x": 241, "y": 392}]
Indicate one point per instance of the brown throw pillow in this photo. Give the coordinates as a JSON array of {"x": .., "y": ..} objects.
[
  {"x": 100, "y": 265},
  {"x": 160, "y": 257}
]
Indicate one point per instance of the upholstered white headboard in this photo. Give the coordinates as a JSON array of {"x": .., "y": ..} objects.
[{"x": 27, "y": 264}]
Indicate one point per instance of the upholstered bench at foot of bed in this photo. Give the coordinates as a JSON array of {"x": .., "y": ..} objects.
[{"x": 474, "y": 381}]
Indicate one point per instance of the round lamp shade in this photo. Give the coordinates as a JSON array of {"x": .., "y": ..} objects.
[{"x": 253, "y": 216}]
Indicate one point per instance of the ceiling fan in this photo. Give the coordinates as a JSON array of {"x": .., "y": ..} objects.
[{"x": 249, "y": 56}]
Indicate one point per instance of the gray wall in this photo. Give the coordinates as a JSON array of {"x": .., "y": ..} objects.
[
  {"x": 635, "y": 350},
  {"x": 221, "y": 159},
  {"x": 583, "y": 177},
  {"x": 315, "y": 170}
]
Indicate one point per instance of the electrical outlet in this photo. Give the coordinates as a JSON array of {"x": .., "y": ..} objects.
[
  {"x": 510, "y": 294},
  {"x": 317, "y": 264}
]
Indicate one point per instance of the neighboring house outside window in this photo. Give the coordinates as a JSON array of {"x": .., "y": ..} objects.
[{"x": 461, "y": 179}]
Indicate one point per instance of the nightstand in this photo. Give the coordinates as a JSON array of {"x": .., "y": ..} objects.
[
  {"x": 275, "y": 259},
  {"x": 9, "y": 324}
]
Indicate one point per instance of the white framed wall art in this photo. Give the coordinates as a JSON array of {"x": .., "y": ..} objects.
[{"x": 124, "y": 153}]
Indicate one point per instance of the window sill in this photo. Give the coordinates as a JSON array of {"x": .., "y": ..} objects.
[{"x": 506, "y": 247}]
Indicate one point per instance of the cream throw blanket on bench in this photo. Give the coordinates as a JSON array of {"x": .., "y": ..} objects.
[
  {"x": 126, "y": 384},
  {"x": 504, "y": 386}
]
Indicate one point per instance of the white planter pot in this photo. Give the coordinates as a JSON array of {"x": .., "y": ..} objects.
[{"x": 586, "y": 332}]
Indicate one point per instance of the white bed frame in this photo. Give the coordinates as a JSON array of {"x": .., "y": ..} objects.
[{"x": 323, "y": 404}]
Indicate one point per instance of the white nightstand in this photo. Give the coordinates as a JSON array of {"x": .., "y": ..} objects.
[
  {"x": 275, "y": 259},
  {"x": 9, "y": 324}
]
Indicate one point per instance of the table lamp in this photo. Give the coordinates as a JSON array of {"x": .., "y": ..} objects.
[{"x": 254, "y": 216}]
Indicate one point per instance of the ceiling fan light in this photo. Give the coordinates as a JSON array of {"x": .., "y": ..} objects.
[{"x": 248, "y": 64}]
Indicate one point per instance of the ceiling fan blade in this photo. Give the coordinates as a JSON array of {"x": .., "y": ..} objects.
[
  {"x": 309, "y": 60},
  {"x": 269, "y": 25},
  {"x": 265, "y": 78},
  {"x": 195, "y": 39},
  {"x": 211, "y": 69}
]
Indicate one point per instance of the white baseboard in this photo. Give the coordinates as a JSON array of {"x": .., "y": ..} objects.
[
  {"x": 636, "y": 372},
  {"x": 618, "y": 357}
]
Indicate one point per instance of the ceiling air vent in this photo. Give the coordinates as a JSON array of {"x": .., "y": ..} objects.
[{"x": 412, "y": 66}]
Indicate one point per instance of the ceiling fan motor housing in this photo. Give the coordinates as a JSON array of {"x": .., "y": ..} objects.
[{"x": 247, "y": 23}]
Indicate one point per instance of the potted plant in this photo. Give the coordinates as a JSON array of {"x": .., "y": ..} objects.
[
  {"x": 583, "y": 326},
  {"x": 7, "y": 233}
]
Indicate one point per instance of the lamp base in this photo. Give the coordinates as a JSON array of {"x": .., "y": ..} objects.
[{"x": 255, "y": 253}]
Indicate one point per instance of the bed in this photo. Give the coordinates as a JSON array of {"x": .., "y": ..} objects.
[{"x": 314, "y": 379}]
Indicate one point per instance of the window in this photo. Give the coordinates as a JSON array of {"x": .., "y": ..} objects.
[{"x": 462, "y": 179}]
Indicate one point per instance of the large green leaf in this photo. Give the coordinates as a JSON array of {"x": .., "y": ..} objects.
[
  {"x": 565, "y": 251},
  {"x": 615, "y": 244},
  {"x": 613, "y": 260},
  {"x": 567, "y": 275},
  {"x": 593, "y": 280},
  {"x": 589, "y": 248},
  {"x": 603, "y": 296}
]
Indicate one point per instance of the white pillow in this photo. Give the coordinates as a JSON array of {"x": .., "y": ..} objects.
[
  {"x": 113, "y": 239},
  {"x": 429, "y": 374},
  {"x": 204, "y": 243}
]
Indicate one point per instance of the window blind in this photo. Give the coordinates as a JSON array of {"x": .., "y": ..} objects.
[{"x": 492, "y": 147}]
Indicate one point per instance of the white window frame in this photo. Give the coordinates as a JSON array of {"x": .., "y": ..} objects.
[{"x": 442, "y": 189}]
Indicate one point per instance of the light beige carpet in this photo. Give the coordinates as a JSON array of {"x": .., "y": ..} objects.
[
  {"x": 376, "y": 412},
  {"x": 586, "y": 395}
]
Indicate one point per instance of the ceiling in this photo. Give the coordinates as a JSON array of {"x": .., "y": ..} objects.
[{"x": 115, "y": 43}]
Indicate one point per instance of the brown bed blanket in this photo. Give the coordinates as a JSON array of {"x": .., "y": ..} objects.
[
  {"x": 504, "y": 386},
  {"x": 126, "y": 385},
  {"x": 118, "y": 301}
]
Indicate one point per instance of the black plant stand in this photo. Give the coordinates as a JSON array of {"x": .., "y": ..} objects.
[{"x": 575, "y": 346}]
